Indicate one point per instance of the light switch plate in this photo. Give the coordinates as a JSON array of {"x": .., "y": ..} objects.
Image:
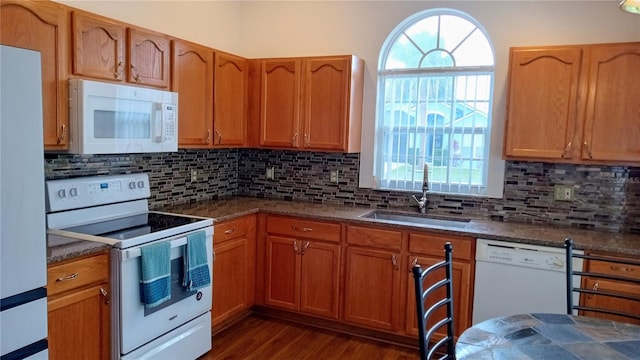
[
  {"x": 333, "y": 176},
  {"x": 563, "y": 192}
]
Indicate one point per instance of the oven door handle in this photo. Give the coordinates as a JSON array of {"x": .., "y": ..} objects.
[{"x": 135, "y": 251}]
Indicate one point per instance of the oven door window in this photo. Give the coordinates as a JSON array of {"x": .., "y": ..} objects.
[{"x": 178, "y": 292}]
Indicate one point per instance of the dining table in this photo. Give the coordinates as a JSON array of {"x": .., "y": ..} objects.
[{"x": 549, "y": 337}]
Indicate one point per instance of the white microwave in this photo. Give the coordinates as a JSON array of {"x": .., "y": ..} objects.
[{"x": 108, "y": 118}]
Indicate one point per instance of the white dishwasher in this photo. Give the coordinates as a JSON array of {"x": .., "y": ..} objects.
[{"x": 514, "y": 278}]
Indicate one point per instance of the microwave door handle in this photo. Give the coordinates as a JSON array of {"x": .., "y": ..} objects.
[{"x": 158, "y": 121}]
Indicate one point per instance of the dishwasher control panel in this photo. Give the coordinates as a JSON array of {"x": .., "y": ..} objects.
[{"x": 533, "y": 256}]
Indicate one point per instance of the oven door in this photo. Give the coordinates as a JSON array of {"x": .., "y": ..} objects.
[{"x": 136, "y": 325}]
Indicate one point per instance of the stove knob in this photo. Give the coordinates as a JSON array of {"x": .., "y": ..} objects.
[
  {"x": 132, "y": 185},
  {"x": 73, "y": 191},
  {"x": 140, "y": 184},
  {"x": 62, "y": 193}
]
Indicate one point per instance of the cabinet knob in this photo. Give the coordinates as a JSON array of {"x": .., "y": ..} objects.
[
  {"x": 105, "y": 294},
  {"x": 118, "y": 72},
  {"x": 63, "y": 134},
  {"x": 136, "y": 73},
  {"x": 588, "y": 148},
  {"x": 413, "y": 263}
]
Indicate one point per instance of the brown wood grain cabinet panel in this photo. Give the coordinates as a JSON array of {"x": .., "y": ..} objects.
[
  {"x": 612, "y": 124},
  {"x": 231, "y": 78},
  {"x": 43, "y": 26},
  {"x": 320, "y": 278},
  {"x": 433, "y": 244},
  {"x": 376, "y": 237},
  {"x": 279, "y": 103},
  {"x": 98, "y": 47},
  {"x": 461, "y": 295},
  {"x": 542, "y": 102},
  {"x": 282, "y": 280},
  {"x": 372, "y": 288},
  {"x": 192, "y": 79},
  {"x": 302, "y": 228},
  {"x": 148, "y": 58},
  {"x": 79, "y": 308}
]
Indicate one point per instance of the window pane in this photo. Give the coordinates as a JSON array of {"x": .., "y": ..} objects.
[
  {"x": 475, "y": 51},
  {"x": 453, "y": 31}
]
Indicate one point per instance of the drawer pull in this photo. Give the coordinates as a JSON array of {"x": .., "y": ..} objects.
[
  {"x": 304, "y": 229},
  {"x": 304, "y": 247},
  {"x": 66, "y": 278},
  {"x": 295, "y": 247},
  {"x": 229, "y": 231},
  {"x": 621, "y": 268},
  {"x": 394, "y": 261},
  {"x": 413, "y": 263},
  {"x": 105, "y": 294},
  {"x": 595, "y": 288}
]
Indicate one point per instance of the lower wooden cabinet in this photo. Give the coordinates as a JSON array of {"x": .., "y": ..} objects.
[
  {"x": 79, "y": 308},
  {"x": 605, "y": 285},
  {"x": 233, "y": 269},
  {"x": 426, "y": 249},
  {"x": 372, "y": 284},
  {"x": 302, "y": 273}
]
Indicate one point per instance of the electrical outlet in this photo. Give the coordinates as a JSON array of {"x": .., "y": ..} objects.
[
  {"x": 563, "y": 192},
  {"x": 194, "y": 175},
  {"x": 270, "y": 174},
  {"x": 333, "y": 176}
]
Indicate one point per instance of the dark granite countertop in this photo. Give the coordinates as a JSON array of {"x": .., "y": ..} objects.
[
  {"x": 229, "y": 208},
  {"x": 225, "y": 209}
]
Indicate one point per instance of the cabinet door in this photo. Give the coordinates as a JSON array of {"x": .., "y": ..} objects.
[
  {"x": 612, "y": 124},
  {"x": 192, "y": 79},
  {"x": 542, "y": 103},
  {"x": 98, "y": 47},
  {"x": 372, "y": 288},
  {"x": 282, "y": 278},
  {"x": 79, "y": 325},
  {"x": 230, "y": 274},
  {"x": 320, "y": 278},
  {"x": 230, "y": 100},
  {"x": 279, "y": 105},
  {"x": 149, "y": 55},
  {"x": 608, "y": 302},
  {"x": 461, "y": 296},
  {"x": 43, "y": 26},
  {"x": 325, "y": 103}
]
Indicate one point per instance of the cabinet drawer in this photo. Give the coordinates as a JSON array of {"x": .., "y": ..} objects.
[
  {"x": 77, "y": 273},
  {"x": 614, "y": 269},
  {"x": 433, "y": 244},
  {"x": 231, "y": 229},
  {"x": 382, "y": 238},
  {"x": 300, "y": 228}
]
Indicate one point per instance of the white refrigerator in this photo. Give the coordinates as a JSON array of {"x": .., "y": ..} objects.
[{"x": 23, "y": 260}]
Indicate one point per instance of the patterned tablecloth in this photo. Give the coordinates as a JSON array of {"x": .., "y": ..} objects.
[{"x": 549, "y": 337}]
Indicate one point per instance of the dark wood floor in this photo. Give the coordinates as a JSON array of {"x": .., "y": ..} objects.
[{"x": 260, "y": 337}]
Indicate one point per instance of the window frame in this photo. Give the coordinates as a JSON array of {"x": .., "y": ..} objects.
[{"x": 494, "y": 166}]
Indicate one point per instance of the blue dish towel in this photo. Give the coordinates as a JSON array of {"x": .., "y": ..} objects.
[
  {"x": 155, "y": 277},
  {"x": 196, "y": 265}
]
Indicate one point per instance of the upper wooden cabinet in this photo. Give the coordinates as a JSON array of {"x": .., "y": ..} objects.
[
  {"x": 574, "y": 104},
  {"x": 231, "y": 76},
  {"x": 98, "y": 47},
  {"x": 192, "y": 79},
  {"x": 43, "y": 26},
  {"x": 109, "y": 50},
  {"x": 612, "y": 116},
  {"x": 148, "y": 58},
  {"x": 312, "y": 103}
]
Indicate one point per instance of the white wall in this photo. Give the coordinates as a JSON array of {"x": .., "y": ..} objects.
[{"x": 300, "y": 28}]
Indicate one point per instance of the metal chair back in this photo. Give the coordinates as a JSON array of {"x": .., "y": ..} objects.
[
  {"x": 430, "y": 347},
  {"x": 594, "y": 300}
]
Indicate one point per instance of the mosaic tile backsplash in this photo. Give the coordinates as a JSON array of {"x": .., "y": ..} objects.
[{"x": 606, "y": 198}]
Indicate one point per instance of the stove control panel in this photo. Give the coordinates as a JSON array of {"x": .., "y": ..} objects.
[{"x": 76, "y": 193}]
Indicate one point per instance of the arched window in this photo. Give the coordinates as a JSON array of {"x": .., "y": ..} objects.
[{"x": 435, "y": 88}]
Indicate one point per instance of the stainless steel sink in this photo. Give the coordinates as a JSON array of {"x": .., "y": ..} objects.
[{"x": 414, "y": 219}]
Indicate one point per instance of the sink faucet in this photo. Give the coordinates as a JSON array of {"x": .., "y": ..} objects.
[{"x": 422, "y": 202}]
